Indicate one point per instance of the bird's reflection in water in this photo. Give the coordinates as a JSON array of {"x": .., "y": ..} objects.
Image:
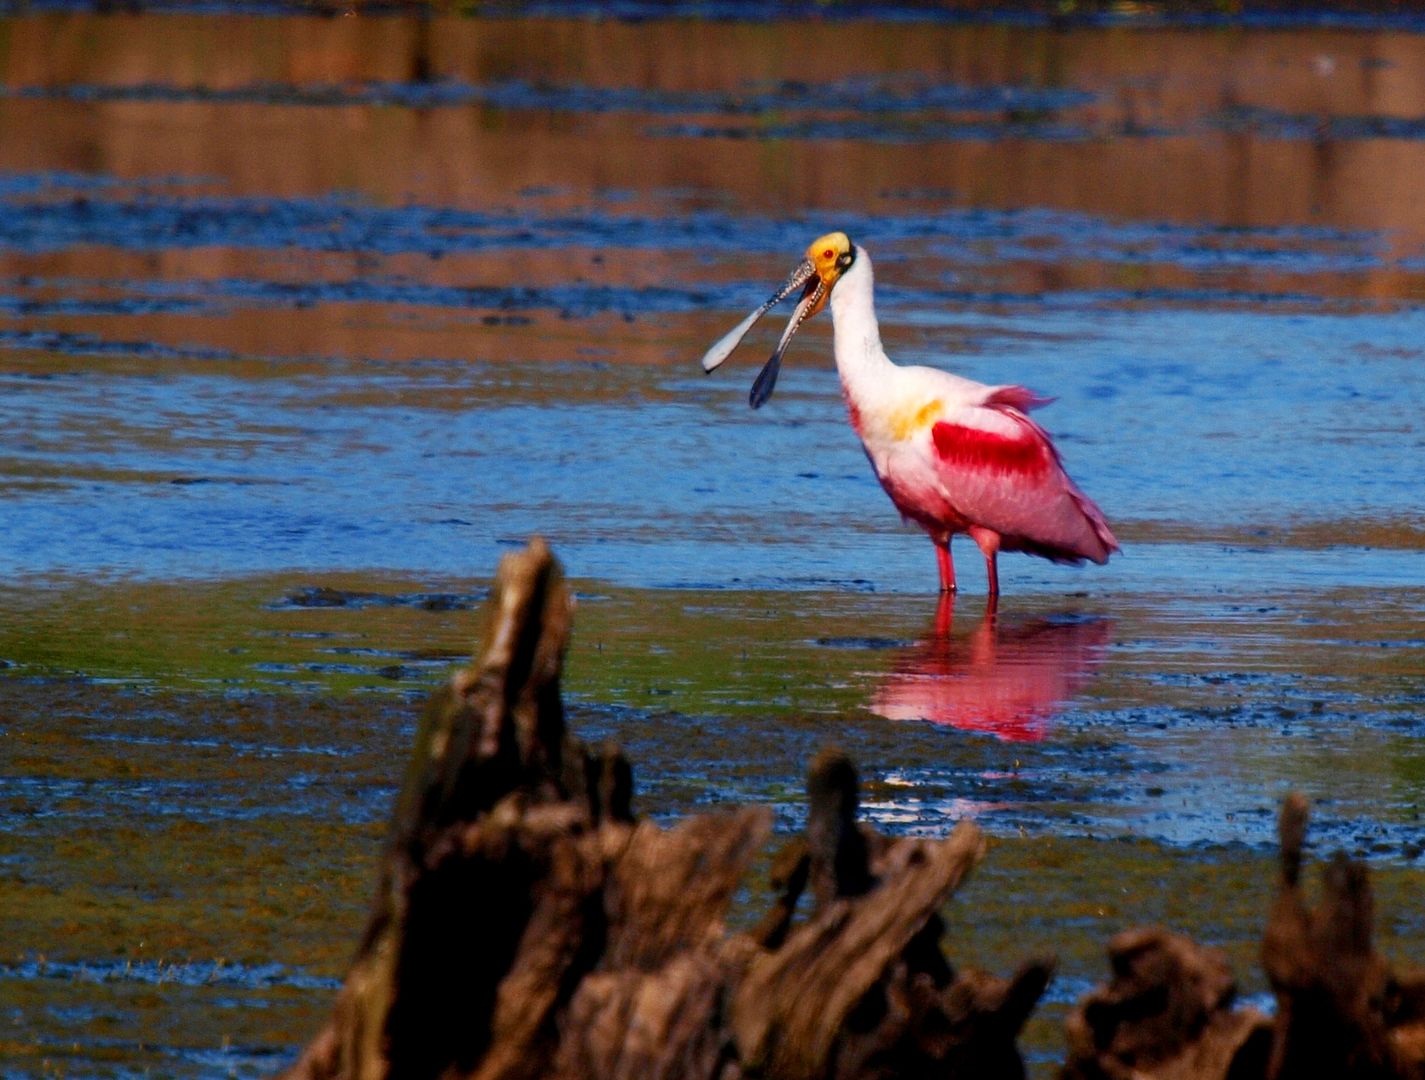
[{"x": 1005, "y": 678}]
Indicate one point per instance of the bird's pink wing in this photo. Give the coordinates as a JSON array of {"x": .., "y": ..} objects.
[
  {"x": 1016, "y": 397},
  {"x": 999, "y": 470}
]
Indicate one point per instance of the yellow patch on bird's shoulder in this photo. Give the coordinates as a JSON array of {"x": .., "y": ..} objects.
[{"x": 904, "y": 422}]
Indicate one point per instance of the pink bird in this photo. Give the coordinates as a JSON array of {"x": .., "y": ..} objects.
[{"x": 954, "y": 455}]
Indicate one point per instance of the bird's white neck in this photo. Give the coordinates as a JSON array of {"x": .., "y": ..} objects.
[{"x": 860, "y": 360}]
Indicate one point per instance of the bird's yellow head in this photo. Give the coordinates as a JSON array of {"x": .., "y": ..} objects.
[
  {"x": 830, "y": 256},
  {"x": 827, "y": 258}
]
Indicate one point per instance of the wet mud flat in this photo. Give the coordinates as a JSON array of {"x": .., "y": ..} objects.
[
  {"x": 1180, "y": 719},
  {"x": 188, "y": 853}
]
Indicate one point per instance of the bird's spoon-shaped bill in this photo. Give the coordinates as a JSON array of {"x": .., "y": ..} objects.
[
  {"x": 767, "y": 377},
  {"x": 722, "y": 349}
]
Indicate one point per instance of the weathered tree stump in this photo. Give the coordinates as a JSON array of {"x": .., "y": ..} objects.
[
  {"x": 1341, "y": 1009},
  {"x": 525, "y": 924},
  {"x": 1342, "y": 1012},
  {"x": 1167, "y": 1014}
]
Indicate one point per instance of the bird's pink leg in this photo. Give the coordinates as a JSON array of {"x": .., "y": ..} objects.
[
  {"x": 947, "y": 566},
  {"x": 988, "y": 541}
]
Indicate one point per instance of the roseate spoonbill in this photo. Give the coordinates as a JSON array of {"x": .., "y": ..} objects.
[{"x": 954, "y": 455}]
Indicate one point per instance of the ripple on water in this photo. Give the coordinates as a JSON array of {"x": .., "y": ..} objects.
[{"x": 177, "y": 973}]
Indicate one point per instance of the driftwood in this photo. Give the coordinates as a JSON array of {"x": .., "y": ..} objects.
[{"x": 526, "y": 924}]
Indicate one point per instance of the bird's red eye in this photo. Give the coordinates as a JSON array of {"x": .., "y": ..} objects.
[{"x": 828, "y": 253}]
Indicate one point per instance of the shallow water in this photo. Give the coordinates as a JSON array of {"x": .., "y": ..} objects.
[{"x": 303, "y": 323}]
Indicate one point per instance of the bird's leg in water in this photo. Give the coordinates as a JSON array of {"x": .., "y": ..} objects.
[
  {"x": 947, "y": 566},
  {"x": 988, "y": 541}
]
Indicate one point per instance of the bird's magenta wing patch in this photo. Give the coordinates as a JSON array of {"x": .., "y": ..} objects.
[{"x": 958, "y": 445}]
